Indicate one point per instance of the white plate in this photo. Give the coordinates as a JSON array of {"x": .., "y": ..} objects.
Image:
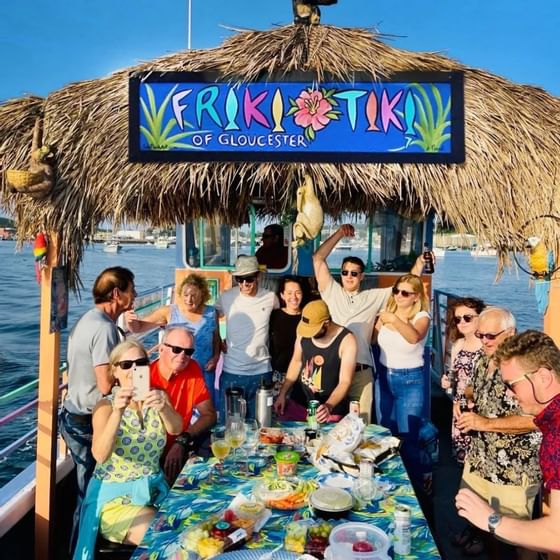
[
  {"x": 336, "y": 480},
  {"x": 255, "y": 555}
]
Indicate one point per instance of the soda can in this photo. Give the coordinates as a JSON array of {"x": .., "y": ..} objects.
[
  {"x": 312, "y": 407},
  {"x": 401, "y": 533},
  {"x": 354, "y": 407}
]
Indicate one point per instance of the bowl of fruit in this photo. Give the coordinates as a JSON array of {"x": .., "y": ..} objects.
[{"x": 307, "y": 536}]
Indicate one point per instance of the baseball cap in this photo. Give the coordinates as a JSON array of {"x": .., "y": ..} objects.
[{"x": 313, "y": 316}]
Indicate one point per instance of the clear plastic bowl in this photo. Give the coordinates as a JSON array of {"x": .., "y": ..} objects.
[{"x": 343, "y": 537}]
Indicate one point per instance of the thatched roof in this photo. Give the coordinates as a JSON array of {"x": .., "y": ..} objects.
[{"x": 512, "y": 140}]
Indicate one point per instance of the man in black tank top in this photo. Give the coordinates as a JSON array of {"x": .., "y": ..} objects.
[{"x": 323, "y": 364}]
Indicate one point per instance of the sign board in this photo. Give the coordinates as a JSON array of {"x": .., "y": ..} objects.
[{"x": 199, "y": 117}]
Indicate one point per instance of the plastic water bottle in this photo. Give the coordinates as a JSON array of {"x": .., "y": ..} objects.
[{"x": 402, "y": 538}]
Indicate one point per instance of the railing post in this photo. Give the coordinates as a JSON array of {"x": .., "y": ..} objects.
[{"x": 49, "y": 360}]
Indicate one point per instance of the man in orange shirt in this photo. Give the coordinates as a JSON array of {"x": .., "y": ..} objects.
[{"x": 181, "y": 377}]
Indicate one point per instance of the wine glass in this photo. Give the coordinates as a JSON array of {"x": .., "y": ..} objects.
[
  {"x": 235, "y": 433},
  {"x": 220, "y": 448}
]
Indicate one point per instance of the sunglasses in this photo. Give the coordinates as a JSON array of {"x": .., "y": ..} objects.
[
  {"x": 488, "y": 335},
  {"x": 467, "y": 318},
  {"x": 179, "y": 349},
  {"x": 352, "y": 273},
  {"x": 403, "y": 293},
  {"x": 245, "y": 279},
  {"x": 513, "y": 382},
  {"x": 127, "y": 364}
]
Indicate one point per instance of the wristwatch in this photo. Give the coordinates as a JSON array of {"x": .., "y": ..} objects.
[
  {"x": 184, "y": 440},
  {"x": 494, "y": 519}
]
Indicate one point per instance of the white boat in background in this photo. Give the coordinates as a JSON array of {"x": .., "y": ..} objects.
[
  {"x": 162, "y": 243},
  {"x": 483, "y": 252},
  {"x": 439, "y": 252},
  {"x": 112, "y": 247}
]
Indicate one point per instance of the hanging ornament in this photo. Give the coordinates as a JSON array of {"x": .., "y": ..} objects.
[{"x": 40, "y": 254}]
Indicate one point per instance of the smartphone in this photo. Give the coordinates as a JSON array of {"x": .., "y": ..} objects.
[{"x": 140, "y": 382}]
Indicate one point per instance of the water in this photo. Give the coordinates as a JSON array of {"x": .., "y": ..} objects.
[{"x": 458, "y": 272}]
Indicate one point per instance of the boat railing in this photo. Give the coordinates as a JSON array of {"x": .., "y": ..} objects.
[{"x": 145, "y": 303}]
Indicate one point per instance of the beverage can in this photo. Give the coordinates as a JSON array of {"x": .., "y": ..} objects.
[
  {"x": 312, "y": 415},
  {"x": 401, "y": 536},
  {"x": 354, "y": 407},
  {"x": 428, "y": 260}
]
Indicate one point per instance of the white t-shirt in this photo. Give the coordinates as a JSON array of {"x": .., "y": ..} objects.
[
  {"x": 356, "y": 312},
  {"x": 247, "y": 319},
  {"x": 396, "y": 352}
]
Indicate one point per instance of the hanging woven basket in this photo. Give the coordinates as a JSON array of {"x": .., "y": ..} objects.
[{"x": 22, "y": 179}]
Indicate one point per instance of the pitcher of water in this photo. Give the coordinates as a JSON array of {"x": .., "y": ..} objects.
[{"x": 235, "y": 404}]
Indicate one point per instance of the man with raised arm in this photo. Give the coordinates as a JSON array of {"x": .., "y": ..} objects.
[
  {"x": 530, "y": 369},
  {"x": 354, "y": 309}
]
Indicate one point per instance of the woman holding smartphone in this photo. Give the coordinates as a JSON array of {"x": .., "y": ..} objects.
[
  {"x": 128, "y": 439},
  {"x": 402, "y": 330}
]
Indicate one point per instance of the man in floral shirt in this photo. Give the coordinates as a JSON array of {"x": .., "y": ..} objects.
[
  {"x": 530, "y": 367},
  {"x": 501, "y": 464}
]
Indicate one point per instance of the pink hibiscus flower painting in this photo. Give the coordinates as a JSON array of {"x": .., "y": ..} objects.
[{"x": 313, "y": 110}]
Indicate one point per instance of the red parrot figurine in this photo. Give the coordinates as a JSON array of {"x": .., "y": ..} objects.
[{"x": 40, "y": 254}]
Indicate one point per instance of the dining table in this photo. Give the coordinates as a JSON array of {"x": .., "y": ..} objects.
[{"x": 195, "y": 497}]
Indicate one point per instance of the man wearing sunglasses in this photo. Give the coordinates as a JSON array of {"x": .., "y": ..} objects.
[
  {"x": 273, "y": 253},
  {"x": 182, "y": 379},
  {"x": 354, "y": 309},
  {"x": 247, "y": 308},
  {"x": 89, "y": 375},
  {"x": 530, "y": 368},
  {"x": 501, "y": 464}
]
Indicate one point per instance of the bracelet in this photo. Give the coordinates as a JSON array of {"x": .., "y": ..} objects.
[{"x": 185, "y": 440}]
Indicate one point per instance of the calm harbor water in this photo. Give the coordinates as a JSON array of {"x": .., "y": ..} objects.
[{"x": 458, "y": 272}]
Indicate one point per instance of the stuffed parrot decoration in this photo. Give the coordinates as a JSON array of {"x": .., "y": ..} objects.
[
  {"x": 40, "y": 254},
  {"x": 541, "y": 261}
]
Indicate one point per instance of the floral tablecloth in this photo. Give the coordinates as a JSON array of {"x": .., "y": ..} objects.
[{"x": 194, "y": 497}]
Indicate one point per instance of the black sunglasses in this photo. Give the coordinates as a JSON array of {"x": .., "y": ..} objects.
[
  {"x": 179, "y": 349},
  {"x": 246, "y": 279},
  {"x": 127, "y": 364},
  {"x": 467, "y": 318},
  {"x": 352, "y": 273},
  {"x": 403, "y": 293},
  {"x": 488, "y": 335}
]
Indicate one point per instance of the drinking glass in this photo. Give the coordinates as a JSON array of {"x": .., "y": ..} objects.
[
  {"x": 235, "y": 434},
  {"x": 220, "y": 448},
  {"x": 251, "y": 436}
]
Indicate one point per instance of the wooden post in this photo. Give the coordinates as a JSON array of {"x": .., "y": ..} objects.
[
  {"x": 552, "y": 316},
  {"x": 49, "y": 361}
]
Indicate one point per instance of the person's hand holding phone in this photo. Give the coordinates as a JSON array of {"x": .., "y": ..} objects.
[
  {"x": 156, "y": 399},
  {"x": 122, "y": 398}
]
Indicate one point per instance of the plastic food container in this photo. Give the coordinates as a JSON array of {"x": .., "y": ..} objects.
[
  {"x": 343, "y": 538},
  {"x": 286, "y": 463},
  {"x": 271, "y": 435},
  {"x": 330, "y": 503}
]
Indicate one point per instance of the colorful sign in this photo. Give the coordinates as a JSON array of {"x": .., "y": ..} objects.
[{"x": 201, "y": 117}]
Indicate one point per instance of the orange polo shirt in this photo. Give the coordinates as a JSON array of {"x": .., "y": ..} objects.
[{"x": 185, "y": 389}]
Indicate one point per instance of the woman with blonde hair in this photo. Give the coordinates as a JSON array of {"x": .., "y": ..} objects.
[
  {"x": 129, "y": 436},
  {"x": 401, "y": 331},
  {"x": 193, "y": 312}
]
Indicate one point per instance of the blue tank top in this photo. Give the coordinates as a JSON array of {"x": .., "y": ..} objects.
[{"x": 203, "y": 332}]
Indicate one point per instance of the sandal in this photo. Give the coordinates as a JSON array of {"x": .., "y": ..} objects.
[
  {"x": 474, "y": 546},
  {"x": 462, "y": 538}
]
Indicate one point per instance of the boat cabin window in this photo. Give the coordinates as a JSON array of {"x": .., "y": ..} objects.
[
  {"x": 209, "y": 244},
  {"x": 386, "y": 241}
]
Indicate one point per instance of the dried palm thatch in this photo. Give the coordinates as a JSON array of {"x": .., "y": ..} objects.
[{"x": 511, "y": 173}]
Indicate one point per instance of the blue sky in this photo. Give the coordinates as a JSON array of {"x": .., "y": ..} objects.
[{"x": 45, "y": 45}]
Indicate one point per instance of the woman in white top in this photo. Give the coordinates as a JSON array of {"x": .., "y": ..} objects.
[{"x": 402, "y": 330}]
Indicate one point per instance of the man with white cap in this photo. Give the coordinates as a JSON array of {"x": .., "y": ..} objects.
[
  {"x": 247, "y": 309},
  {"x": 324, "y": 361}
]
